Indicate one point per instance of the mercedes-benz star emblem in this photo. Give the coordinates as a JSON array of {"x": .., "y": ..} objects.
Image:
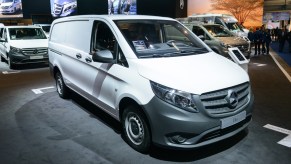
[
  {"x": 232, "y": 99},
  {"x": 182, "y": 4},
  {"x": 35, "y": 51}
]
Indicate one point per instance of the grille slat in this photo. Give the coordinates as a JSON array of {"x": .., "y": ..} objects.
[
  {"x": 34, "y": 51},
  {"x": 216, "y": 103},
  {"x": 58, "y": 9}
]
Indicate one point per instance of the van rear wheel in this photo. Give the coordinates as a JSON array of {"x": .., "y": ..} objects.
[
  {"x": 62, "y": 89},
  {"x": 136, "y": 129}
]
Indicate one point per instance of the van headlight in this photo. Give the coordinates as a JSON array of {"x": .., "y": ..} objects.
[
  {"x": 15, "y": 50},
  {"x": 225, "y": 45},
  {"x": 70, "y": 6},
  {"x": 175, "y": 97}
]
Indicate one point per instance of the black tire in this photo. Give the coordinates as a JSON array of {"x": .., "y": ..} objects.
[
  {"x": 62, "y": 89},
  {"x": 135, "y": 129}
]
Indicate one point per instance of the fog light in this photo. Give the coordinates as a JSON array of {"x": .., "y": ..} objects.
[{"x": 178, "y": 139}]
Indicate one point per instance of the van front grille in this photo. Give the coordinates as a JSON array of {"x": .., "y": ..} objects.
[
  {"x": 57, "y": 9},
  {"x": 217, "y": 102},
  {"x": 34, "y": 51},
  {"x": 243, "y": 48}
]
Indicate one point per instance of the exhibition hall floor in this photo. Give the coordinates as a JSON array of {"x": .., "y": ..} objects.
[{"x": 37, "y": 126}]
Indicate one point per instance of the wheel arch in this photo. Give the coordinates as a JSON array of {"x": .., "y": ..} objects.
[{"x": 127, "y": 101}]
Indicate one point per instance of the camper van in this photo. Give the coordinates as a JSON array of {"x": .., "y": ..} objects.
[{"x": 226, "y": 20}]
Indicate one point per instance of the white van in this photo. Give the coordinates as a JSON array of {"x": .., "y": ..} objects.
[
  {"x": 23, "y": 45},
  {"x": 10, "y": 6},
  {"x": 152, "y": 74}
]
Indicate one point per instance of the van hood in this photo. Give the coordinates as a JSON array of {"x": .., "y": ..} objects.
[
  {"x": 195, "y": 74},
  {"x": 29, "y": 43},
  {"x": 6, "y": 4},
  {"x": 233, "y": 40}
]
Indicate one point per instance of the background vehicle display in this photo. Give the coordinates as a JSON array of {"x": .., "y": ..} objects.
[
  {"x": 22, "y": 45},
  {"x": 10, "y": 6},
  {"x": 61, "y": 8},
  {"x": 218, "y": 38},
  {"x": 226, "y": 20}
]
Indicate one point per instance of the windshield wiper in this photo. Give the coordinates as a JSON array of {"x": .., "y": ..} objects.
[
  {"x": 157, "y": 55},
  {"x": 172, "y": 43}
]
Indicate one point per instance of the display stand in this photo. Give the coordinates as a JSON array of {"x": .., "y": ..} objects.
[{"x": 238, "y": 57}]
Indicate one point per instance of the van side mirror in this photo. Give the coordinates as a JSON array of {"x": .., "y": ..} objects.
[
  {"x": 201, "y": 37},
  {"x": 2, "y": 40},
  {"x": 103, "y": 56}
]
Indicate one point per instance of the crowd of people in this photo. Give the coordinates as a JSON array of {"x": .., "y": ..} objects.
[{"x": 262, "y": 37}]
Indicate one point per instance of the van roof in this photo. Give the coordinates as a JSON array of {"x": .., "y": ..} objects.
[
  {"x": 113, "y": 17},
  {"x": 22, "y": 26},
  {"x": 210, "y": 14}
]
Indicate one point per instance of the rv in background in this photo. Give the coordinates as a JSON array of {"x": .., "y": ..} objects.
[{"x": 228, "y": 21}]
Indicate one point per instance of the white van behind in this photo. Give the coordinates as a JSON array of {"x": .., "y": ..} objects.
[
  {"x": 23, "y": 45},
  {"x": 10, "y": 6},
  {"x": 152, "y": 74}
]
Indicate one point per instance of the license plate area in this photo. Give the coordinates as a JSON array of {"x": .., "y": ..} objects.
[
  {"x": 36, "y": 57},
  {"x": 229, "y": 121}
]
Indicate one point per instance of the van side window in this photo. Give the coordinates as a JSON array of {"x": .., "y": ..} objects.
[
  {"x": 4, "y": 34},
  {"x": 103, "y": 38},
  {"x": 199, "y": 31},
  {"x": 1, "y": 32},
  {"x": 218, "y": 21}
]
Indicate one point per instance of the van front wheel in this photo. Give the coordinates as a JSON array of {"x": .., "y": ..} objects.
[
  {"x": 135, "y": 129},
  {"x": 62, "y": 89}
]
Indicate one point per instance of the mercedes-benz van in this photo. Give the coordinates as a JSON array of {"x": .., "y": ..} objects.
[
  {"x": 23, "y": 45},
  {"x": 154, "y": 75},
  {"x": 10, "y": 6}
]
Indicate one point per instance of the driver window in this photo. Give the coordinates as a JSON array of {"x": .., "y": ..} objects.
[{"x": 103, "y": 38}]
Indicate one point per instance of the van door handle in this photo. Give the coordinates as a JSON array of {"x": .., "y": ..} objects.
[
  {"x": 78, "y": 55},
  {"x": 88, "y": 59}
]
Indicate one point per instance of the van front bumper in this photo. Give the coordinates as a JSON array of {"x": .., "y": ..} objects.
[
  {"x": 177, "y": 128},
  {"x": 7, "y": 11},
  {"x": 19, "y": 58}
]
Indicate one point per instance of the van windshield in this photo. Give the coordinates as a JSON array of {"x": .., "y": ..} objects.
[
  {"x": 218, "y": 31},
  {"x": 156, "y": 38},
  {"x": 26, "y": 33},
  {"x": 7, "y": 1},
  {"x": 233, "y": 26}
]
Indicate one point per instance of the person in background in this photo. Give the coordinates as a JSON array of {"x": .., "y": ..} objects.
[
  {"x": 268, "y": 40},
  {"x": 263, "y": 39},
  {"x": 276, "y": 32},
  {"x": 282, "y": 37},
  {"x": 251, "y": 38},
  {"x": 257, "y": 41},
  {"x": 289, "y": 40}
]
